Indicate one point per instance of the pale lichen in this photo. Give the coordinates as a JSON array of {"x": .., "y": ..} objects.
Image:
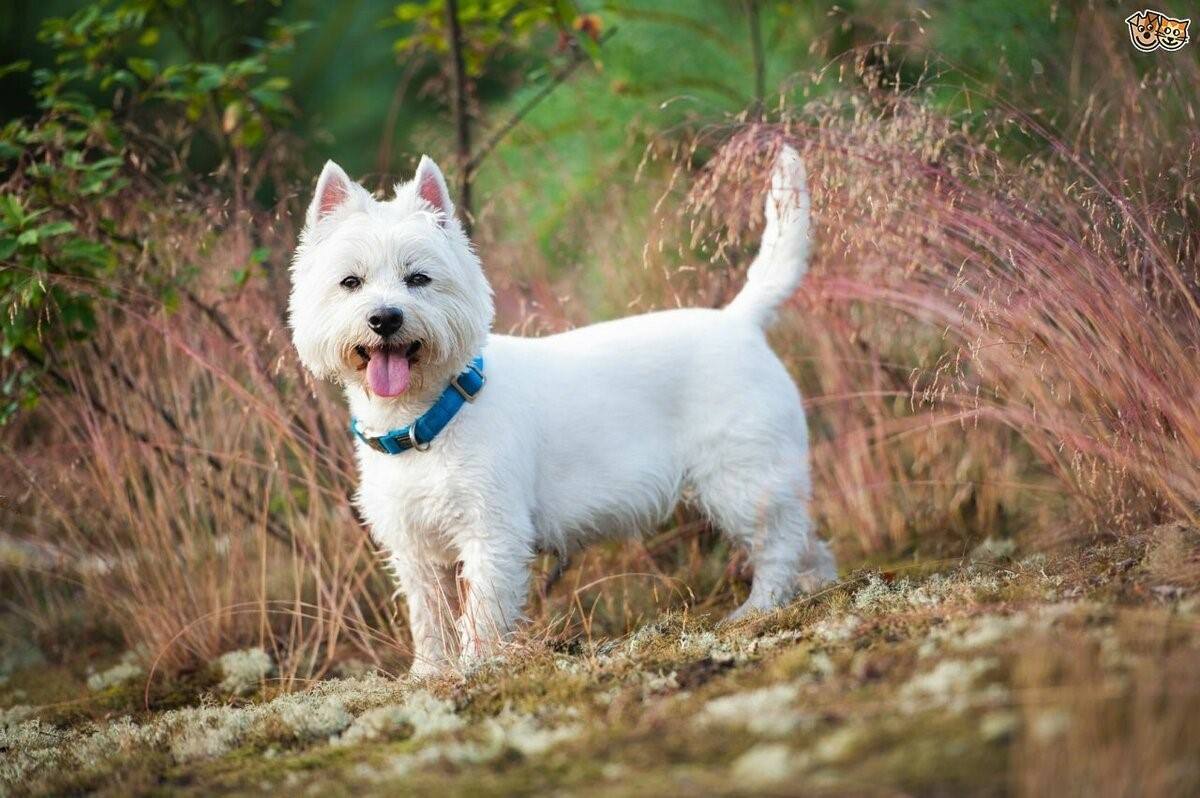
[
  {"x": 837, "y": 629},
  {"x": 210, "y": 732},
  {"x": 421, "y": 712},
  {"x": 1050, "y": 724},
  {"x": 641, "y": 638},
  {"x": 764, "y": 764},
  {"x": 713, "y": 646},
  {"x": 973, "y": 633},
  {"x": 950, "y": 684},
  {"x": 766, "y": 711},
  {"x": 37, "y": 751},
  {"x": 994, "y": 549},
  {"x": 315, "y": 719},
  {"x": 243, "y": 671},
  {"x": 126, "y": 671},
  {"x": 508, "y": 731},
  {"x": 840, "y": 744},
  {"x": 654, "y": 683},
  {"x": 14, "y": 715},
  {"x": 998, "y": 724}
]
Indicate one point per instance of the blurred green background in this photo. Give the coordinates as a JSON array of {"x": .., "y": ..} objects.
[
  {"x": 663, "y": 66},
  {"x": 208, "y": 107}
]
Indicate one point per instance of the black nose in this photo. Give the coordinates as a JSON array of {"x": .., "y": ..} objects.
[{"x": 385, "y": 321}]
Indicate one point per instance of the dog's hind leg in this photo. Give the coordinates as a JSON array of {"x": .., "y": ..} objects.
[
  {"x": 788, "y": 558},
  {"x": 771, "y": 520}
]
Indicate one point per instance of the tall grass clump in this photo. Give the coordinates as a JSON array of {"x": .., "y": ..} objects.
[
  {"x": 1001, "y": 324},
  {"x": 998, "y": 338},
  {"x": 200, "y": 485},
  {"x": 169, "y": 463}
]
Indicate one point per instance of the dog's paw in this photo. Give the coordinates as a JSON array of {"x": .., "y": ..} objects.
[
  {"x": 426, "y": 669},
  {"x": 812, "y": 582},
  {"x": 743, "y": 612},
  {"x": 469, "y": 663}
]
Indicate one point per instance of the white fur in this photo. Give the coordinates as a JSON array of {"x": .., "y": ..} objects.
[{"x": 592, "y": 433}]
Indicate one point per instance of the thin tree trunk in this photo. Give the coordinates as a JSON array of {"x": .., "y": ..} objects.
[
  {"x": 760, "y": 61},
  {"x": 383, "y": 161},
  {"x": 578, "y": 58},
  {"x": 462, "y": 121}
]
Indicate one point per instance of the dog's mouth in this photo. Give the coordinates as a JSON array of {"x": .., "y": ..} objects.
[{"x": 388, "y": 367}]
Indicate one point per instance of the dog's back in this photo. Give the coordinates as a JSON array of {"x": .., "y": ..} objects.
[
  {"x": 620, "y": 416},
  {"x": 619, "y": 419}
]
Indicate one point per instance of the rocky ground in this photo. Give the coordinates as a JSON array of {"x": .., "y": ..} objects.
[{"x": 996, "y": 675}]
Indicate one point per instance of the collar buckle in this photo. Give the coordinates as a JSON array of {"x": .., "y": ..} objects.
[{"x": 463, "y": 392}]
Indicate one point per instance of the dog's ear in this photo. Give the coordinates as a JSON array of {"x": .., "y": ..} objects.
[
  {"x": 334, "y": 190},
  {"x": 431, "y": 187}
]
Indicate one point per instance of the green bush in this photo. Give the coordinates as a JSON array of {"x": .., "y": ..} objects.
[{"x": 118, "y": 133}]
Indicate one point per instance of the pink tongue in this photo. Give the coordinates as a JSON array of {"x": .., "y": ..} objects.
[{"x": 387, "y": 372}]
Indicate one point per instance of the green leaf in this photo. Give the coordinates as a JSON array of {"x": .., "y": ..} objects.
[
  {"x": 51, "y": 229},
  {"x": 211, "y": 77},
  {"x": 15, "y": 66},
  {"x": 10, "y": 206},
  {"x": 170, "y": 300},
  {"x": 144, "y": 68},
  {"x": 88, "y": 252},
  {"x": 409, "y": 12}
]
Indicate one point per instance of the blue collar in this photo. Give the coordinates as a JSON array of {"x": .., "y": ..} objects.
[{"x": 418, "y": 435}]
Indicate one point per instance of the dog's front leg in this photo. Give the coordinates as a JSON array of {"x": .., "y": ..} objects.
[
  {"x": 495, "y": 583},
  {"x": 433, "y": 610}
]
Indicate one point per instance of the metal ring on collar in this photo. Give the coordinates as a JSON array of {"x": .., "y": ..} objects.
[{"x": 412, "y": 438}]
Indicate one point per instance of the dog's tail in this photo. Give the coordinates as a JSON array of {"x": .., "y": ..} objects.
[{"x": 782, "y": 256}]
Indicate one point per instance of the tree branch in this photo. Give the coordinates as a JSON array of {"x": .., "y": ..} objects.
[
  {"x": 578, "y": 58},
  {"x": 462, "y": 121},
  {"x": 760, "y": 61}
]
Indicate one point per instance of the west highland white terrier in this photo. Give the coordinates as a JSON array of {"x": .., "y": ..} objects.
[{"x": 477, "y": 450}]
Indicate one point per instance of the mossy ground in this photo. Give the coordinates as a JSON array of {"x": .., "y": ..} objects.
[{"x": 983, "y": 677}]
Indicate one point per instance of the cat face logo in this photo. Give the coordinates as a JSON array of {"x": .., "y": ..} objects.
[
  {"x": 1172, "y": 33},
  {"x": 1152, "y": 30}
]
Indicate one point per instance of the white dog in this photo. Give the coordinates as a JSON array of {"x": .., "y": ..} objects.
[{"x": 593, "y": 432}]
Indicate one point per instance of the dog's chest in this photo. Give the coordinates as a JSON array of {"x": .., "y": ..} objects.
[{"x": 422, "y": 503}]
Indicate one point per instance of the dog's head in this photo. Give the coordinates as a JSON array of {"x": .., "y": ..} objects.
[
  {"x": 387, "y": 295},
  {"x": 1143, "y": 30}
]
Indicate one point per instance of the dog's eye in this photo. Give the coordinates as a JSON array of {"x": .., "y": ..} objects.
[
  {"x": 417, "y": 279},
  {"x": 351, "y": 283}
]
